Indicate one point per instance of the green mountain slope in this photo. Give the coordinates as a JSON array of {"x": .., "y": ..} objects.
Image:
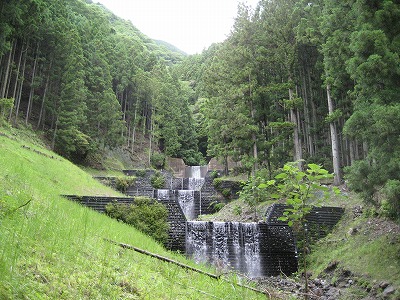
[{"x": 51, "y": 248}]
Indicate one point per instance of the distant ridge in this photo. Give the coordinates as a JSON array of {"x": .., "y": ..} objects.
[{"x": 170, "y": 47}]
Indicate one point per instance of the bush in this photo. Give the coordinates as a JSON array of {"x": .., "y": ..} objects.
[
  {"x": 216, "y": 206},
  {"x": 390, "y": 207},
  {"x": 157, "y": 180},
  {"x": 226, "y": 193},
  {"x": 145, "y": 214},
  {"x": 122, "y": 183},
  {"x": 140, "y": 173},
  {"x": 237, "y": 210},
  {"x": 217, "y": 182},
  {"x": 157, "y": 160}
]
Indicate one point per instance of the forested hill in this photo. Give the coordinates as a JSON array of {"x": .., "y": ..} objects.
[
  {"x": 89, "y": 79},
  {"x": 294, "y": 80}
]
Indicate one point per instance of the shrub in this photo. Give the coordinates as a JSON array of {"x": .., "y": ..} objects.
[
  {"x": 390, "y": 207},
  {"x": 214, "y": 174},
  {"x": 157, "y": 180},
  {"x": 157, "y": 160},
  {"x": 145, "y": 214},
  {"x": 217, "y": 182},
  {"x": 122, "y": 183},
  {"x": 140, "y": 173},
  {"x": 237, "y": 210},
  {"x": 226, "y": 193},
  {"x": 216, "y": 206}
]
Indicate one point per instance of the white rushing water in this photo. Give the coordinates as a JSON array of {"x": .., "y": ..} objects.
[{"x": 226, "y": 245}]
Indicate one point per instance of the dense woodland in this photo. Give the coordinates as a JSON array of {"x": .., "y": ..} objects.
[{"x": 294, "y": 80}]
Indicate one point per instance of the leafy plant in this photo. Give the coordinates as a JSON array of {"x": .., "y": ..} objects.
[
  {"x": 217, "y": 182},
  {"x": 214, "y": 174},
  {"x": 216, "y": 205},
  {"x": 157, "y": 160},
  {"x": 237, "y": 210},
  {"x": 140, "y": 173},
  {"x": 122, "y": 183},
  {"x": 145, "y": 214},
  {"x": 302, "y": 190},
  {"x": 157, "y": 180},
  {"x": 253, "y": 191},
  {"x": 5, "y": 105},
  {"x": 226, "y": 193}
]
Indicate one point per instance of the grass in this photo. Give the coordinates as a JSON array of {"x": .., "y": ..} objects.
[
  {"x": 51, "y": 248},
  {"x": 366, "y": 253}
]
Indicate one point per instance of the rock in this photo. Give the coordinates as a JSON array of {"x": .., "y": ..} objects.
[
  {"x": 332, "y": 266},
  {"x": 357, "y": 211},
  {"x": 388, "y": 291},
  {"x": 318, "y": 292},
  {"x": 352, "y": 231},
  {"x": 332, "y": 294},
  {"x": 383, "y": 284}
]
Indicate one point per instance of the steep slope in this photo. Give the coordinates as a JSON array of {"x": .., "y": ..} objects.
[{"x": 51, "y": 248}]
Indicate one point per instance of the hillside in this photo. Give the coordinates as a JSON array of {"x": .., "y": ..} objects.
[{"x": 51, "y": 248}]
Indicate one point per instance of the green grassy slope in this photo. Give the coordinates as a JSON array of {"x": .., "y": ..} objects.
[{"x": 52, "y": 248}]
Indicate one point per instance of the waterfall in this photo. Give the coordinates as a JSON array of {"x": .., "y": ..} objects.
[
  {"x": 163, "y": 194},
  {"x": 196, "y": 244},
  {"x": 226, "y": 244},
  {"x": 251, "y": 238},
  {"x": 187, "y": 203}
]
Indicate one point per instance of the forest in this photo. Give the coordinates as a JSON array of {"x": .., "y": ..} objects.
[{"x": 307, "y": 81}]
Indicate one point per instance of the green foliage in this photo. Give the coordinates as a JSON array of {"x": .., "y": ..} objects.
[
  {"x": 214, "y": 174},
  {"x": 253, "y": 191},
  {"x": 157, "y": 180},
  {"x": 390, "y": 206},
  {"x": 226, "y": 193},
  {"x": 237, "y": 210},
  {"x": 335, "y": 116},
  {"x": 302, "y": 190},
  {"x": 377, "y": 184},
  {"x": 145, "y": 214},
  {"x": 5, "y": 106},
  {"x": 157, "y": 160},
  {"x": 123, "y": 182},
  {"x": 216, "y": 206},
  {"x": 140, "y": 173},
  {"x": 217, "y": 182}
]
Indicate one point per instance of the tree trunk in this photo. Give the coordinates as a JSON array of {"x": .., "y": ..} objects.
[
  {"x": 6, "y": 73},
  {"x": 253, "y": 136},
  {"x": 53, "y": 141},
  {"x": 151, "y": 135},
  {"x": 334, "y": 141},
  {"x": 21, "y": 84},
  {"x": 16, "y": 83},
  {"x": 32, "y": 91},
  {"x": 44, "y": 95},
  {"x": 14, "y": 49},
  {"x": 134, "y": 126},
  {"x": 307, "y": 119},
  {"x": 298, "y": 155}
]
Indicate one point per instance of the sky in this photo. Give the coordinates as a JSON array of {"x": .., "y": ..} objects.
[{"x": 190, "y": 25}]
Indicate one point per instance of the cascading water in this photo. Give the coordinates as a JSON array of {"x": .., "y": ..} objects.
[
  {"x": 195, "y": 175},
  {"x": 187, "y": 203},
  {"x": 226, "y": 244},
  {"x": 163, "y": 194}
]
